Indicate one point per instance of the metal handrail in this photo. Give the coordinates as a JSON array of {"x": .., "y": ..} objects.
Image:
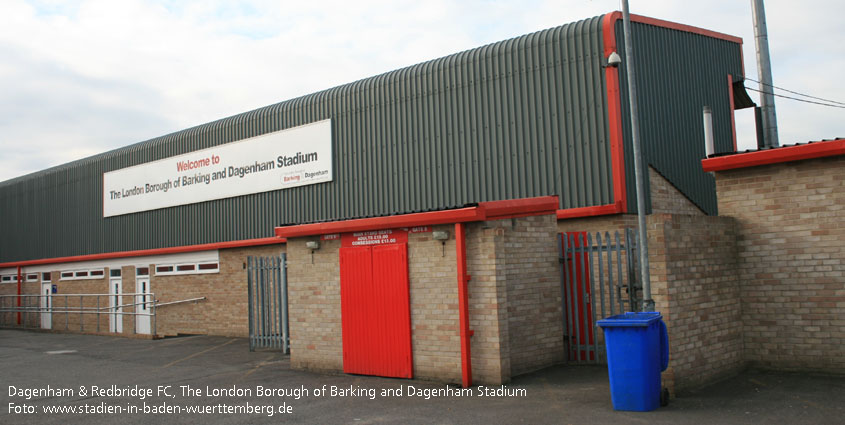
[
  {"x": 82, "y": 309},
  {"x": 157, "y": 304},
  {"x": 123, "y": 294}
]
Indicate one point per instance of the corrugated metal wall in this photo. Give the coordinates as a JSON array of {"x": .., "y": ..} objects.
[
  {"x": 519, "y": 118},
  {"x": 677, "y": 74}
]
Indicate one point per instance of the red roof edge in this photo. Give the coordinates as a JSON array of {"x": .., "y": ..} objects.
[
  {"x": 617, "y": 15},
  {"x": 146, "y": 252},
  {"x": 493, "y": 210},
  {"x": 775, "y": 155},
  {"x": 608, "y": 209}
]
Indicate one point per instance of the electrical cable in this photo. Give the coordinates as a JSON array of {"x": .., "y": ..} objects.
[
  {"x": 794, "y": 92},
  {"x": 795, "y": 98}
]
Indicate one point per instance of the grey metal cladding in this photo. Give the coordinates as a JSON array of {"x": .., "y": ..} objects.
[
  {"x": 678, "y": 73},
  {"x": 519, "y": 118}
]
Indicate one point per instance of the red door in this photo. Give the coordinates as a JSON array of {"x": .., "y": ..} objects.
[{"x": 375, "y": 310}]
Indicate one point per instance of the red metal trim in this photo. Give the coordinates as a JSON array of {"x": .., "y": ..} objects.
[
  {"x": 614, "y": 113},
  {"x": 775, "y": 156},
  {"x": 685, "y": 28},
  {"x": 463, "y": 305},
  {"x": 590, "y": 211},
  {"x": 492, "y": 210},
  {"x": 377, "y": 223},
  {"x": 733, "y": 108},
  {"x": 617, "y": 15},
  {"x": 519, "y": 207},
  {"x": 145, "y": 252}
]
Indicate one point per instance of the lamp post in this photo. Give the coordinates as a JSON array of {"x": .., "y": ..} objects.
[{"x": 648, "y": 302}]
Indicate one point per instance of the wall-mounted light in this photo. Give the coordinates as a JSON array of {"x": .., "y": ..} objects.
[
  {"x": 442, "y": 236},
  {"x": 313, "y": 246}
]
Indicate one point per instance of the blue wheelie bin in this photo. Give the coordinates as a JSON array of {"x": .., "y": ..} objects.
[{"x": 637, "y": 351}]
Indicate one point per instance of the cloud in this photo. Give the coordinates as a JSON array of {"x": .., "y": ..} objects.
[{"x": 88, "y": 76}]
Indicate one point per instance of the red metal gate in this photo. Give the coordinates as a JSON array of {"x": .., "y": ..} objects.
[
  {"x": 598, "y": 280},
  {"x": 578, "y": 295},
  {"x": 375, "y": 310}
]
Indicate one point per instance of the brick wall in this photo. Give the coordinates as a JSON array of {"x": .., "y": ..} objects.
[
  {"x": 693, "y": 274},
  {"x": 433, "y": 281},
  {"x": 534, "y": 308},
  {"x": 224, "y": 312},
  {"x": 314, "y": 306},
  {"x": 75, "y": 322},
  {"x": 694, "y": 285},
  {"x": 791, "y": 222},
  {"x": 488, "y": 302},
  {"x": 513, "y": 285},
  {"x": 315, "y": 313},
  {"x": 28, "y": 320}
]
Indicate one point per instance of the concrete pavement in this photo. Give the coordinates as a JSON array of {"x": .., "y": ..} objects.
[{"x": 159, "y": 381}]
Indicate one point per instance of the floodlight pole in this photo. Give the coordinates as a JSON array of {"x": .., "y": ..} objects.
[
  {"x": 764, "y": 73},
  {"x": 648, "y": 302}
]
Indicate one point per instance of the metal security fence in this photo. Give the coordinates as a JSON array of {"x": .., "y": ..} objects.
[
  {"x": 598, "y": 279},
  {"x": 268, "y": 303}
]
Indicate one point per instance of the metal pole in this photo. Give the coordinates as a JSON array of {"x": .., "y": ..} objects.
[
  {"x": 251, "y": 297},
  {"x": 764, "y": 73},
  {"x": 285, "y": 327},
  {"x": 155, "y": 329},
  {"x": 565, "y": 310},
  {"x": 20, "y": 275},
  {"x": 648, "y": 303},
  {"x": 709, "y": 140}
]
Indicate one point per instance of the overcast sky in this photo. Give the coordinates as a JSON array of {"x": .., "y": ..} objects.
[{"x": 82, "y": 77}]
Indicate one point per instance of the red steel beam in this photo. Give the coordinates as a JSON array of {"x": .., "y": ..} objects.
[
  {"x": 377, "y": 223},
  {"x": 608, "y": 209},
  {"x": 614, "y": 112},
  {"x": 519, "y": 207},
  {"x": 463, "y": 305}
]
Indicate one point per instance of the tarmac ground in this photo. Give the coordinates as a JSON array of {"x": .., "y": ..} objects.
[{"x": 70, "y": 378}]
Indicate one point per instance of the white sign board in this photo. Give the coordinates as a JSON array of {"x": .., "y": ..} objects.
[{"x": 297, "y": 156}]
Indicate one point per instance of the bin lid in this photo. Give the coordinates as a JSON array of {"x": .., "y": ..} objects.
[{"x": 632, "y": 319}]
